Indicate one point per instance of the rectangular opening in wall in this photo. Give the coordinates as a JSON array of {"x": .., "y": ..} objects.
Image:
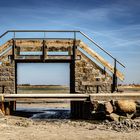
[{"x": 43, "y": 78}]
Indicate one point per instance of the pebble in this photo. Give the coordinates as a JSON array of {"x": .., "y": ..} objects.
[{"x": 125, "y": 125}]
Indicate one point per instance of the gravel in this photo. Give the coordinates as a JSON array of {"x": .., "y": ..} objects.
[{"x": 125, "y": 125}]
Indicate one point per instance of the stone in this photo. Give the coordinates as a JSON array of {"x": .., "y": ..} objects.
[
  {"x": 98, "y": 115},
  {"x": 98, "y": 106},
  {"x": 114, "y": 117},
  {"x": 108, "y": 108},
  {"x": 126, "y": 106},
  {"x": 86, "y": 71},
  {"x": 1, "y": 114},
  {"x": 137, "y": 102}
]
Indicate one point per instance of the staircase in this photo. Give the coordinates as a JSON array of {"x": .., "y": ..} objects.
[{"x": 40, "y": 49}]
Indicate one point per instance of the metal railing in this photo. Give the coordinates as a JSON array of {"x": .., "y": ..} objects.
[{"x": 64, "y": 31}]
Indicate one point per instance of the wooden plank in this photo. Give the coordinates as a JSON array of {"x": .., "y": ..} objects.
[
  {"x": 114, "y": 96},
  {"x": 27, "y": 57},
  {"x": 28, "y": 43},
  {"x": 49, "y": 43},
  {"x": 5, "y": 83},
  {"x": 100, "y": 59},
  {"x": 5, "y": 55},
  {"x": 44, "y": 99},
  {"x": 59, "y": 57},
  {"x": 5, "y": 46},
  {"x": 60, "y": 96},
  {"x": 74, "y": 97},
  {"x": 1, "y": 98},
  {"x": 93, "y": 83},
  {"x": 54, "y": 95},
  {"x": 30, "y": 49},
  {"x": 61, "y": 43}
]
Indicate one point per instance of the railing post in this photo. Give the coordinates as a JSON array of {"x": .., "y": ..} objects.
[
  {"x": 74, "y": 104},
  {"x": 43, "y": 51},
  {"x": 3, "y": 87},
  {"x": 16, "y": 90},
  {"x": 13, "y": 50},
  {"x": 72, "y": 66},
  {"x": 14, "y": 35},
  {"x": 104, "y": 71},
  {"x": 114, "y": 84}
]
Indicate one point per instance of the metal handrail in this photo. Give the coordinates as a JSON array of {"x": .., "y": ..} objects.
[
  {"x": 14, "y": 31},
  {"x": 70, "y": 31},
  {"x": 100, "y": 47}
]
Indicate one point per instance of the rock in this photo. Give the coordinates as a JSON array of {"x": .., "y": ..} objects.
[
  {"x": 113, "y": 103},
  {"x": 94, "y": 105},
  {"x": 98, "y": 115},
  {"x": 121, "y": 118},
  {"x": 98, "y": 110},
  {"x": 108, "y": 108},
  {"x": 114, "y": 117},
  {"x": 137, "y": 102},
  {"x": 126, "y": 106},
  {"x": 98, "y": 106},
  {"x": 1, "y": 114},
  {"x": 126, "y": 125}
]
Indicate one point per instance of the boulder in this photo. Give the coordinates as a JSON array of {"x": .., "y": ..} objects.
[
  {"x": 126, "y": 106},
  {"x": 108, "y": 108}
]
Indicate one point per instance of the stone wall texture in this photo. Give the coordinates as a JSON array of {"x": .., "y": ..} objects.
[
  {"x": 90, "y": 78},
  {"x": 7, "y": 77}
]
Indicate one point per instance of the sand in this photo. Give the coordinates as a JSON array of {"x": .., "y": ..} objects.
[{"x": 17, "y": 128}]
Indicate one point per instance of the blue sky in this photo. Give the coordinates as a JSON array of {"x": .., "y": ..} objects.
[
  {"x": 114, "y": 24},
  {"x": 44, "y": 73}
]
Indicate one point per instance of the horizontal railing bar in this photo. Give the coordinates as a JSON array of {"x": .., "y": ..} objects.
[
  {"x": 4, "y": 34},
  {"x": 42, "y": 38},
  {"x": 43, "y": 31},
  {"x": 14, "y": 31}
]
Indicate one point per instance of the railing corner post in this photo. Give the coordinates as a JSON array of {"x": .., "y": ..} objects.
[{"x": 114, "y": 84}]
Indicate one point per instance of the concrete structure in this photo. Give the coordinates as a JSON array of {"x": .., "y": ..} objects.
[{"x": 89, "y": 72}]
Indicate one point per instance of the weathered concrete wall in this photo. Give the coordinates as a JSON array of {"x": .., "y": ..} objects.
[
  {"x": 7, "y": 77},
  {"x": 90, "y": 77}
]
